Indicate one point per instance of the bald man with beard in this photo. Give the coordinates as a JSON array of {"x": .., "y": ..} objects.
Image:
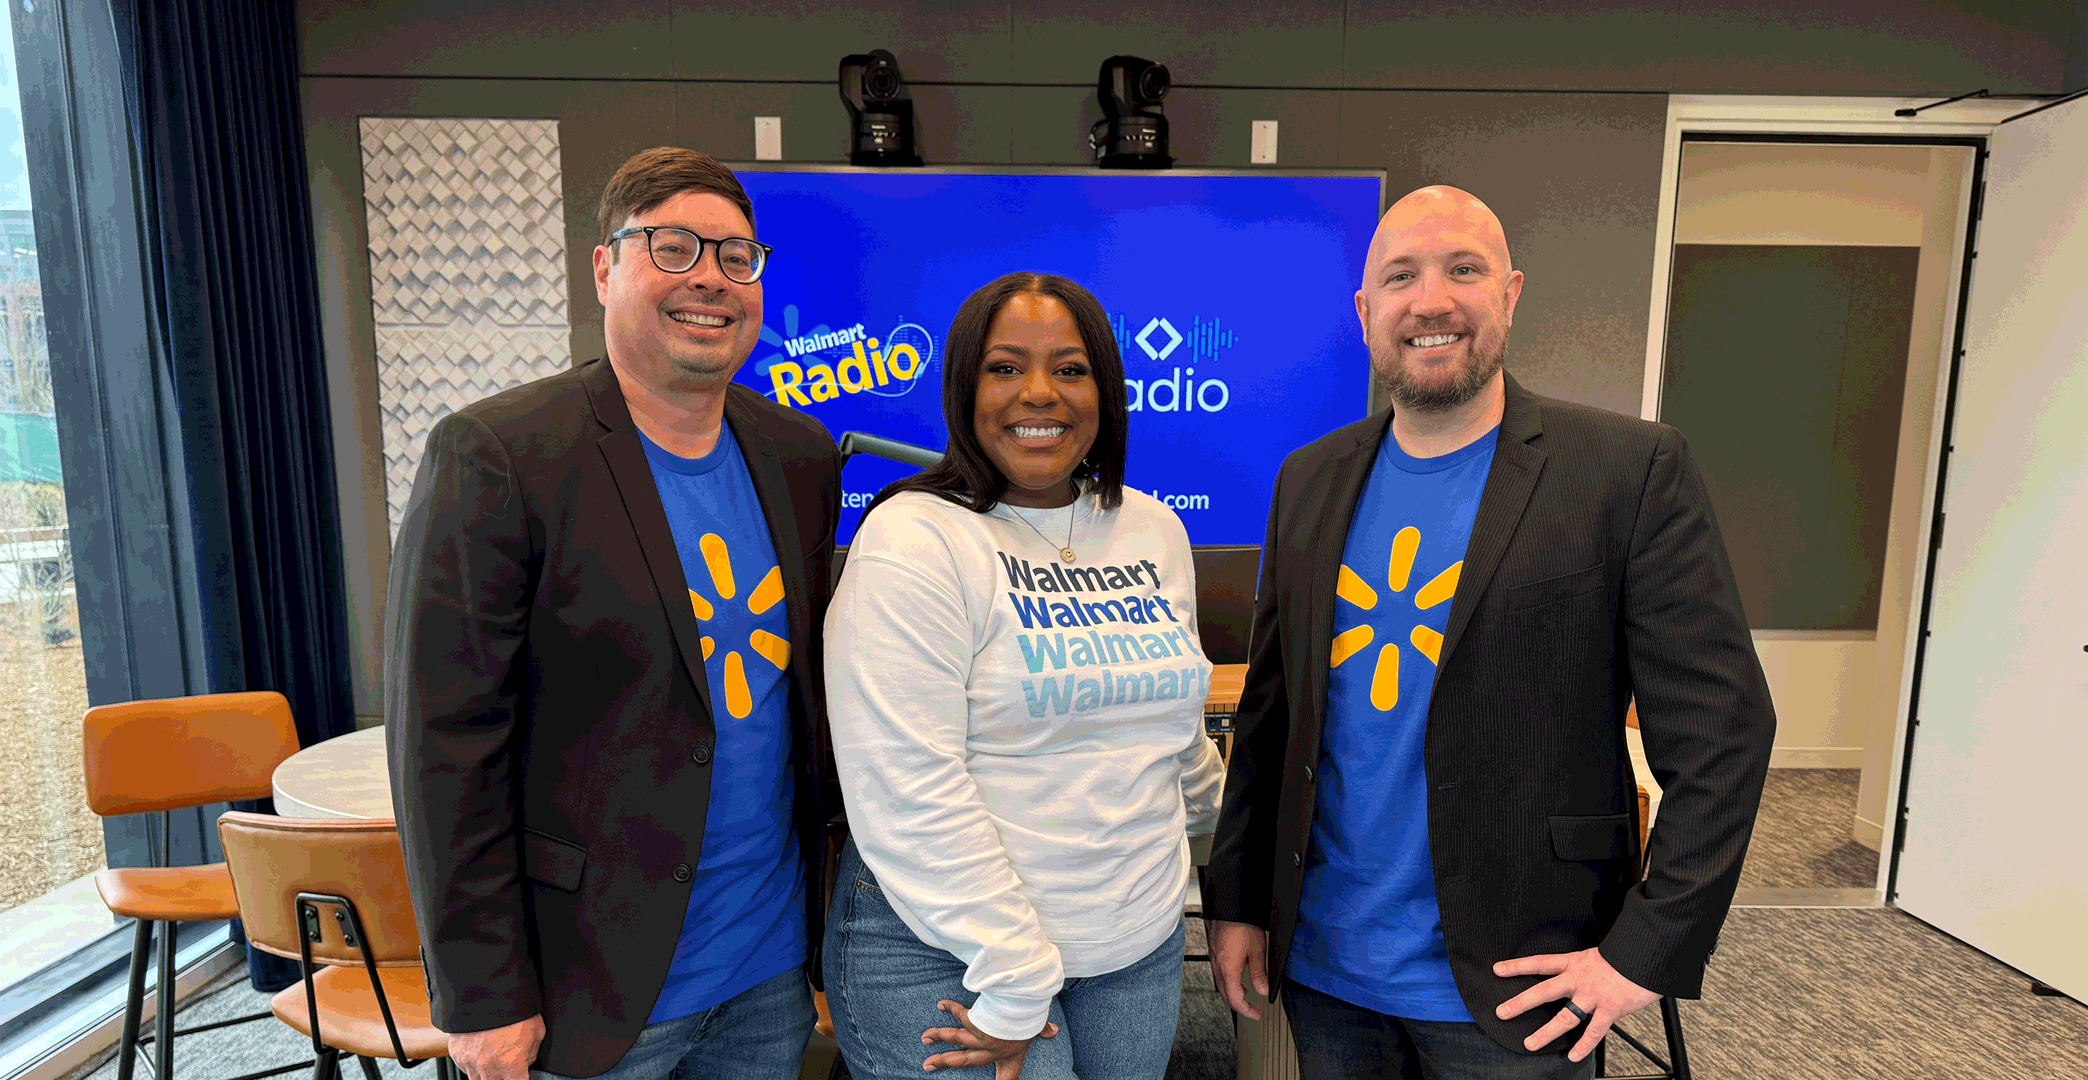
[{"x": 1428, "y": 843}]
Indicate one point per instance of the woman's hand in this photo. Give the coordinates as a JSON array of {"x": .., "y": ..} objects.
[{"x": 979, "y": 1048}]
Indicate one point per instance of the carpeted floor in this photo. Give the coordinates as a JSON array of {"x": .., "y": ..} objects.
[
  {"x": 1793, "y": 994},
  {"x": 1203, "y": 1047},
  {"x": 1802, "y": 835},
  {"x": 1872, "y": 994}
]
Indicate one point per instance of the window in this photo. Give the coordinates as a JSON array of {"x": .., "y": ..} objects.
[
  {"x": 49, "y": 841},
  {"x": 97, "y": 581}
]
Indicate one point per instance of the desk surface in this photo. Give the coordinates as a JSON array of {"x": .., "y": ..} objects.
[
  {"x": 1228, "y": 682},
  {"x": 347, "y": 777},
  {"x": 344, "y": 777}
]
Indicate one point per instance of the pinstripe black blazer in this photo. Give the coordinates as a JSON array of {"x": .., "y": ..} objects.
[
  {"x": 1595, "y": 573},
  {"x": 548, "y": 713}
]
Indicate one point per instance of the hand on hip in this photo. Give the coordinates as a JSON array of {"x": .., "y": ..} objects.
[
  {"x": 979, "y": 1048},
  {"x": 1591, "y": 989}
]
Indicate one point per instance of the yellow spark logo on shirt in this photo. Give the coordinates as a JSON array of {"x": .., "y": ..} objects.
[
  {"x": 739, "y": 698},
  {"x": 1350, "y": 586}
]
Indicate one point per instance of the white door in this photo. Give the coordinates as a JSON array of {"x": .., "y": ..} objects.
[{"x": 1994, "y": 850}]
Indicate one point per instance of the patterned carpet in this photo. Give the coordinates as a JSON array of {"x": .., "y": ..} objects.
[
  {"x": 1808, "y": 994},
  {"x": 1793, "y": 994},
  {"x": 1802, "y": 834},
  {"x": 1870, "y": 994}
]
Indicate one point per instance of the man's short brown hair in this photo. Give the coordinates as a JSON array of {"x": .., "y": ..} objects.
[{"x": 654, "y": 176}]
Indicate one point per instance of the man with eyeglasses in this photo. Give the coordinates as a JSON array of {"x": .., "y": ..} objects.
[{"x": 603, "y": 695}]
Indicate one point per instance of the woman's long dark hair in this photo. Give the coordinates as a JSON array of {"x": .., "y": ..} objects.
[{"x": 966, "y": 476}]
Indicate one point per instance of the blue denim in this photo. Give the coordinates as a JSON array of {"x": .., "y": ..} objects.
[
  {"x": 759, "y": 1035},
  {"x": 882, "y": 984},
  {"x": 1338, "y": 1040}
]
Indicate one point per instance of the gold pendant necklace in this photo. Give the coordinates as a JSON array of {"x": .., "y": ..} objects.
[{"x": 1065, "y": 553}]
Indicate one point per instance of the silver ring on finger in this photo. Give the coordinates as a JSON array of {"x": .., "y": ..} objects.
[{"x": 1577, "y": 1011}]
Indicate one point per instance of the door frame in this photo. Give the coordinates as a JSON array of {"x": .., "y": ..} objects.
[{"x": 1743, "y": 118}]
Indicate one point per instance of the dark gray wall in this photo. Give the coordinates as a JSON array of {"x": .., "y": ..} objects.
[
  {"x": 1786, "y": 366},
  {"x": 1551, "y": 110},
  {"x": 1662, "y": 46},
  {"x": 2077, "y": 62}
]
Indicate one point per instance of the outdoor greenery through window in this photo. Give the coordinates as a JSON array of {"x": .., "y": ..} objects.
[{"x": 49, "y": 841}]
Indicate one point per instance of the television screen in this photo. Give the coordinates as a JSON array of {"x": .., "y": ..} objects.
[{"x": 1231, "y": 297}]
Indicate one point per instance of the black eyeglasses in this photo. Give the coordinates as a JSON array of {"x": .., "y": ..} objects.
[{"x": 677, "y": 251}]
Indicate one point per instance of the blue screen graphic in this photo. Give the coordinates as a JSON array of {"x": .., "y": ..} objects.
[{"x": 1232, "y": 299}]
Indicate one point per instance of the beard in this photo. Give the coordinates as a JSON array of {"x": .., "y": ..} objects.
[
  {"x": 1482, "y": 362},
  {"x": 705, "y": 371}
]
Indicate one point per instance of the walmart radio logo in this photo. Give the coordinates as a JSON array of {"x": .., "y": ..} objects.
[
  {"x": 823, "y": 363},
  {"x": 1160, "y": 340}
]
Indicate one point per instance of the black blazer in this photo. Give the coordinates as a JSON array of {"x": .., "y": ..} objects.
[
  {"x": 1595, "y": 573},
  {"x": 547, "y": 711}
]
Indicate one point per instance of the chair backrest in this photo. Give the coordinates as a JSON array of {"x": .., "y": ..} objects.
[
  {"x": 272, "y": 859},
  {"x": 163, "y": 755},
  {"x": 1645, "y": 800}
]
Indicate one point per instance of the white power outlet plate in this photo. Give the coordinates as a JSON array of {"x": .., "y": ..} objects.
[
  {"x": 1262, "y": 146},
  {"x": 768, "y": 138}
]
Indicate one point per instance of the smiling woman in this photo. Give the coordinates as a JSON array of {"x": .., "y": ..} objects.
[
  {"x": 1016, "y": 691},
  {"x": 1013, "y": 350},
  {"x": 1036, "y": 408}
]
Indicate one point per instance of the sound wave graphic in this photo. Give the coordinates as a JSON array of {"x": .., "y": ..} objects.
[{"x": 1201, "y": 339}]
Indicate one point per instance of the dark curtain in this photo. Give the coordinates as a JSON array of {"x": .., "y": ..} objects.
[{"x": 213, "y": 95}]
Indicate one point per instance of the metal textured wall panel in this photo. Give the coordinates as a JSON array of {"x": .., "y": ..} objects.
[{"x": 467, "y": 270}]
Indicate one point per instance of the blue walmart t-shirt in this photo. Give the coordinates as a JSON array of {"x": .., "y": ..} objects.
[
  {"x": 1369, "y": 930},
  {"x": 745, "y": 922}
]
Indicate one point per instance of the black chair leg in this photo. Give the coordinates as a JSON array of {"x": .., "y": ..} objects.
[
  {"x": 1678, "y": 1054},
  {"x": 163, "y": 1040},
  {"x": 326, "y": 1065},
  {"x": 369, "y": 1067},
  {"x": 134, "y": 1004},
  {"x": 445, "y": 1069}
]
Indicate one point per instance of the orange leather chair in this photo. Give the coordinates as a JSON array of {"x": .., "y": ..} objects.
[
  {"x": 331, "y": 894},
  {"x": 158, "y": 757}
]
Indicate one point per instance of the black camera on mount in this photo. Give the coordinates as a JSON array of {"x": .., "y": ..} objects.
[
  {"x": 881, "y": 128},
  {"x": 1132, "y": 133}
]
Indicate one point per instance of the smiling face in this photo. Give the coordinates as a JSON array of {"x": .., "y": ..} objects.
[
  {"x": 1037, "y": 409},
  {"x": 1438, "y": 298},
  {"x": 678, "y": 332}
]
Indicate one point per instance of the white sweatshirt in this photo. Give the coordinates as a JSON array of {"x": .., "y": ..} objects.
[{"x": 1020, "y": 739}]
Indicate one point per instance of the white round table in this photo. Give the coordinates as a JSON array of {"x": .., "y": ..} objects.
[
  {"x": 348, "y": 777},
  {"x": 343, "y": 777}
]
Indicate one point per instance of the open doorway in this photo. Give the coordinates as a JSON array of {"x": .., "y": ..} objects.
[{"x": 1812, "y": 292}]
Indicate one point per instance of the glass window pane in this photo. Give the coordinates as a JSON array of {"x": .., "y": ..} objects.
[{"x": 50, "y": 843}]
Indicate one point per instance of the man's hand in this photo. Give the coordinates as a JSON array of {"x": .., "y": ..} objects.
[
  {"x": 979, "y": 1048},
  {"x": 1583, "y": 978},
  {"x": 1237, "y": 949},
  {"x": 504, "y": 1053}
]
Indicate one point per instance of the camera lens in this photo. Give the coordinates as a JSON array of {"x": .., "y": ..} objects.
[
  {"x": 1151, "y": 85},
  {"x": 880, "y": 81}
]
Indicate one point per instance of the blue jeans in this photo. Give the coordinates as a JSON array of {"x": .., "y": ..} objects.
[
  {"x": 882, "y": 984},
  {"x": 759, "y": 1035},
  {"x": 1337, "y": 1040}
]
